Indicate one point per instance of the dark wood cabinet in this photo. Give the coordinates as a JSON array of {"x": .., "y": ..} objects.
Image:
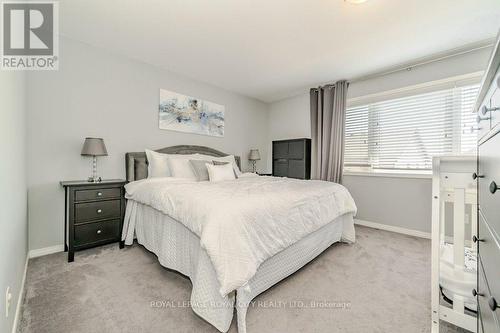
[
  {"x": 292, "y": 158},
  {"x": 94, "y": 214}
]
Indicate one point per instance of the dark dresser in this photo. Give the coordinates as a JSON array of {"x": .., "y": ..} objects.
[
  {"x": 488, "y": 176},
  {"x": 94, "y": 214},
  {"x": 292, "y": 158}
]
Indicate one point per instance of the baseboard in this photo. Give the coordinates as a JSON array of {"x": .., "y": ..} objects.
[
  {"x": 20, "y": 298},
  {"x": 399, "y": 230},
  {"x": 46, "y": 250}
]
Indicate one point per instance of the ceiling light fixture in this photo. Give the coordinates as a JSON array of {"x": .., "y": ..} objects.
[{"x": 357, "y": 2}]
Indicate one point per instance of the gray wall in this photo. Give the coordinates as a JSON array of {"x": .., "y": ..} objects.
[
  {"x": 98, "y": 93},
  {"x": 13, "y": 190},
  {"x": 401, "y": 202}
]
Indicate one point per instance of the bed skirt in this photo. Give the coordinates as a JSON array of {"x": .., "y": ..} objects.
[{"x": 179, "y": 249}]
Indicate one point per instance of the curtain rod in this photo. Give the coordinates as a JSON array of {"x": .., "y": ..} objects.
[{"x": 410, "y": 66}]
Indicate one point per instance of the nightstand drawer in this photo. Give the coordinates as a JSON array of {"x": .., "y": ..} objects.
[
  {"x": 97, "y": 210},
  {"x": 97, "y": 194},
  {"x": 89, "y": 233}
]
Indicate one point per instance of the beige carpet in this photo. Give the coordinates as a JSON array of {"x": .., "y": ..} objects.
[{"x": 383, "y": 280}]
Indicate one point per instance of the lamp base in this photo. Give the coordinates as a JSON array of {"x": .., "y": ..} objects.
[
  {"x": 254, "y": 166},
  {"x": 94, "y": 179}
]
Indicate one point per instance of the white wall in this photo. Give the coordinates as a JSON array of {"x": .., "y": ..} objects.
[
  {"x": 97, "y": 93},
  {"x": 402, "y": 202},
  {"x": 13, "y": 191}
]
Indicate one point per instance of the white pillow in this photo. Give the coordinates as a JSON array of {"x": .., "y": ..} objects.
[
  {"x": 217, "y": 173},
  {"x": 228, "y": 158},
  {"x": 158, "y": 162},
  {"x": 181, "y": 168}
]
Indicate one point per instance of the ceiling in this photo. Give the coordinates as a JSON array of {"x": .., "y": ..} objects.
[{"x": 272, "y": 49}]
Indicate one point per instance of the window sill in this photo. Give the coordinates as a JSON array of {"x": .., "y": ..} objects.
[{"x": 425, "y": 174}]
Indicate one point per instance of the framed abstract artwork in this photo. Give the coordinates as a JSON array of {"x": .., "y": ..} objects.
[{"x": 188, "y": 114}]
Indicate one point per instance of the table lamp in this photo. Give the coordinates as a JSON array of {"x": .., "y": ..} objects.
[
  {"x": 254, "y": 157},
  {"x": 94, "y": 147}
]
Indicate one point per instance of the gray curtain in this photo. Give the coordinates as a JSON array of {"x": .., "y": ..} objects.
[{"x": 328, "y": 104}]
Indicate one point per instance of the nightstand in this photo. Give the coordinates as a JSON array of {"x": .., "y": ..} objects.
[{"x": 94, "y": 214}]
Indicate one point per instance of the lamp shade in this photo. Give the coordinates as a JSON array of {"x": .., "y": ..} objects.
[
  {"x": 94, "y": 147},
  {"x": 254, "y": 155}
]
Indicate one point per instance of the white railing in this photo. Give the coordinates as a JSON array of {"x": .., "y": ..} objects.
[{"x": 453, "y": 254}]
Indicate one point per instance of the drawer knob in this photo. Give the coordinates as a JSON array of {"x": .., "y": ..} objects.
[
  {"x": 485, "y": 109},
  {"x": 99, "y": 231},
  {"x": 99, "y": 194},
  {"x": 493, "y": 187},
  {"x": 492, "y": 302},
  {"x": 479, "y": 118},
  {"x": 99, "y": 211},
  {"x": 475, "y": 293},
  {"x": 475, "y": 239},
  {"x": 476, "y": 176}
]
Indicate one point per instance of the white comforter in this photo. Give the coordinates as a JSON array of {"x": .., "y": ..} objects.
[{"x": 243, "y": 222}]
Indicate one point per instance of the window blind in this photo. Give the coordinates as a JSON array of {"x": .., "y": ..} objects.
[{"x": 405, "y": 133}]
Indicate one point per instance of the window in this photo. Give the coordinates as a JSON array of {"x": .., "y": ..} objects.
[{"x": 405, "y": 133}]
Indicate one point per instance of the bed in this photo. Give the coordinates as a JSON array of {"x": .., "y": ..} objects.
[{"x": 233, "y": 239}]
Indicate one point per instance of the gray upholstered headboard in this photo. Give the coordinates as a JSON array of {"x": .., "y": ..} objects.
[{"x": 136, "y": 163}]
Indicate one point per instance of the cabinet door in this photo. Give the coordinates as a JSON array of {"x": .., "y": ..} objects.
[
  {"x": 489, "y": 196},
  {"x": 296, "y": 150},
  {"x": 488, "y": 321},
  {"x": 280, "y": 168},
  {"x": 280, "y": 149},
  {"x": 296, "y": 169},
  {"x": 495, "y": 103},
  {"x": 490, "y": 256}
]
